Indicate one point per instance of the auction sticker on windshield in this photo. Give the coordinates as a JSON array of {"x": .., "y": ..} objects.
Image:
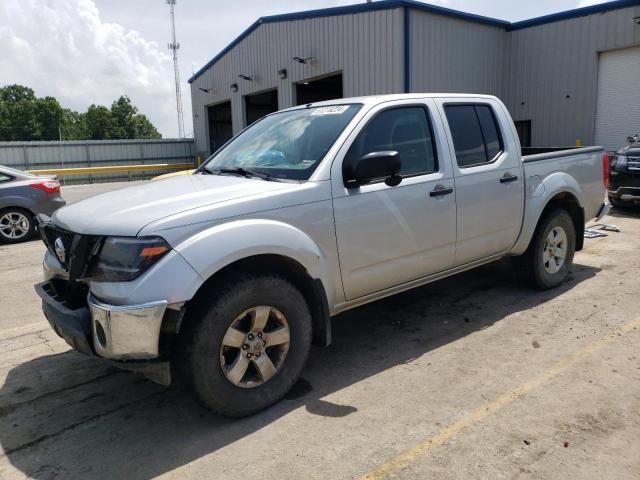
[{"x": 332, "y": 110}]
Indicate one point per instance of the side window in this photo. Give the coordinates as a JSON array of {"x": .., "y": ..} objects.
[
  {"x": 4, "y": 178},
  {"x": 475, "y": 132},
  {"x": 406, "y": 130}
]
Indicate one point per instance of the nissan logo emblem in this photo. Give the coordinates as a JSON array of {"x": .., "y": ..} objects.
[{"x": 59, "y": 248}]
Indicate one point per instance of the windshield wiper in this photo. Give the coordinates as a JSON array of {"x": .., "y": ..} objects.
[{"x": 245, "y": 173}]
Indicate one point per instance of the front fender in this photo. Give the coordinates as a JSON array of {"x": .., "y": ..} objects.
[
  {"x": 214, "y": 248},
  {"x": 539, "y": 195}
]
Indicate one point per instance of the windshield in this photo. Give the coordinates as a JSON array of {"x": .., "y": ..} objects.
[{"x": 287, "y": 145}]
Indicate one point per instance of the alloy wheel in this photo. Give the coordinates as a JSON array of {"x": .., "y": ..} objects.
[
  {"x": 554, "y": 252},
  {"x": 255, "y": 346},
  {"x": 14, "y": 225}
]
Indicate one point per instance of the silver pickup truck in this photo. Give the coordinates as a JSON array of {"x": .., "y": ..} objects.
[{"x": 223, "y": 279}]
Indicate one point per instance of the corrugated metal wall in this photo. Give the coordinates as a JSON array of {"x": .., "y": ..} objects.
[
  {"x": 366, "y": 47},
  {"x": 545, "y": 73},
  {"x": 454, "y": 55},
  {"x": 45, "y": 155},
  {"x": 553, "y": 73}
]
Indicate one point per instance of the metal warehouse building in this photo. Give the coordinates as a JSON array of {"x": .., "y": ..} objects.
[{"x": 567, "y": 78}]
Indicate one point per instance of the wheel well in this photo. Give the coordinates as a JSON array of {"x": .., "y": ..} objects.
[
  {"x": 16, "y": 207},
  {"x": 312, "y": 289},
  {"x": 570, "y": 203}
]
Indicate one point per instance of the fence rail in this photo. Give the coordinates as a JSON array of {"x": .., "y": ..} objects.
[
  {"x": 108, "y": 160},
  {"x": 155, "y": 167}
]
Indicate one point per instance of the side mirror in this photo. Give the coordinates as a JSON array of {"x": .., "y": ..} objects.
[{"x": 376, "y": 166}]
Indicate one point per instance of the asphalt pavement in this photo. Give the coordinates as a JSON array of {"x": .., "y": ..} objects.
[{"x": 474, "y": 376}]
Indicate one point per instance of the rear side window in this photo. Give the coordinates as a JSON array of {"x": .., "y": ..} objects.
[
  {"x": 406, "y": 130},
  {"x": 4, "y": 178},
  {"x": 475, "y": 132}
]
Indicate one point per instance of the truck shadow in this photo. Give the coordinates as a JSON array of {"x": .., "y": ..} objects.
[
  {"x": 632, "y": 212},
  {"x": 70, "y": 416}
]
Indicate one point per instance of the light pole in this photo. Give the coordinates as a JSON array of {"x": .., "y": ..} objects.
[{"x": 174, "y": 46}]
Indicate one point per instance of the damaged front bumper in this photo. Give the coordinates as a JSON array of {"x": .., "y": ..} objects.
[{"x": 128, "y": 335}]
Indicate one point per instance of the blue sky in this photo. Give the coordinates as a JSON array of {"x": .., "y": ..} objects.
[{"x": 92, "y": 51}]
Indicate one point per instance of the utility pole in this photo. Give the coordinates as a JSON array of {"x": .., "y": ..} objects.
[{"x": 174, "y": 46}]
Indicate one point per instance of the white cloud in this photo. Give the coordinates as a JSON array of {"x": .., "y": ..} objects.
[{"x": 64, "y": 49}]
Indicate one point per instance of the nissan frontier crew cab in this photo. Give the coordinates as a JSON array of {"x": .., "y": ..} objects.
[{"x": 221, "y": 280}]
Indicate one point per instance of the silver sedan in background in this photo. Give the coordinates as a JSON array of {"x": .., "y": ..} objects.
[{"x": 22, "y": 197}]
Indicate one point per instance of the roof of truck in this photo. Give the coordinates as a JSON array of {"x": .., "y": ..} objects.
[{"x": 376, "y": 99}]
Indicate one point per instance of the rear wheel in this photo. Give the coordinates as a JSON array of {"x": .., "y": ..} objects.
[
  {"x": 244, "y": 346},
  {"x": 16, "y": 225},
  {"x": 547, "y": 261}
]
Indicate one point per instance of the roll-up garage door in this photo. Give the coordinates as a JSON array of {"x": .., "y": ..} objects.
[{"x": 618, "y": 103}]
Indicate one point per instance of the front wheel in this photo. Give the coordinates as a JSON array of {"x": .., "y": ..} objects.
[
  {"x": 244, "y": 346},
  {"x": 547, "y": 261}
]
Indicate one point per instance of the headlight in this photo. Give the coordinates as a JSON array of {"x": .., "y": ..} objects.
[
  {"x": 619, "y": 163},
  {"x": 124, "y": 258}
]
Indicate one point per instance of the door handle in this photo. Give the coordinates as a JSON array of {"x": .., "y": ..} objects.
[
  {"x": 440, "y": 190},
  {"x": 507, "y": 177}
]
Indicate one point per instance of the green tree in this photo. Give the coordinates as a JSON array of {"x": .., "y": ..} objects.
[
  {"x": 99, "y": 123},
  {"x": 128, "y": 123},
  {"x": 16, "y": 93},
  {"x": 23, "y": 116},
  {"x": 18, "y": 113},
  {"x": 48, "y": 116},
  {"x": 73, "y": 125},
  {"x": 143, "y": 128},
  {"x": 123, "y": 112}
]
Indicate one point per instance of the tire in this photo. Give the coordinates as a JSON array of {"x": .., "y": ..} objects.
[
  {"x": 616, "y": 203},
  {"x": 203, "y": 360},
  {"x": 11, "y": 232},
  {"x": 535, "y": 265}
]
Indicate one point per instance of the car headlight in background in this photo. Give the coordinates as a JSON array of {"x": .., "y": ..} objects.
[
  {"x": 619, "y": 163},
  {"x": 125, "y": 258}
]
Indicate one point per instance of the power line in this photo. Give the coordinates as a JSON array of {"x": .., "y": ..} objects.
[{"x": 174, "y": 46}]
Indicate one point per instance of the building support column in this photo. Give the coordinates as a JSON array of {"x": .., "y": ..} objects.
[{"x": 407, "y": 50}]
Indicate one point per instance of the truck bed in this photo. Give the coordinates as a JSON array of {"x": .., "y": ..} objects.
[
  {"x": 534, "y": 154},
  {"x": 579, "y": 168}
]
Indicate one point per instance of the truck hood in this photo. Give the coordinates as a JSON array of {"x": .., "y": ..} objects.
[
  {"x": 631, "y": 149},
  {"x": 125, "y": 212}
]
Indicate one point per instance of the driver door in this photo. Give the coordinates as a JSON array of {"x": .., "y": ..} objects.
[{"x": 388, "y": 236}]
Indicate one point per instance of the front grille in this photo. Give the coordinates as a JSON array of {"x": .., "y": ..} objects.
[
  {"x": 77, "y": 259},
  {"x": 79, "y": 250},
  {"x": 633, "y": 163},
  {"x": 50, "y": 233}
]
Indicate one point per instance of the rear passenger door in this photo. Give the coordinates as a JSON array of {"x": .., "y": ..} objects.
[{"x": 488, "y": 178}]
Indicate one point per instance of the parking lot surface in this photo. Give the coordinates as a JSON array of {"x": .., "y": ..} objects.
[{"x": 470, "y": 377}]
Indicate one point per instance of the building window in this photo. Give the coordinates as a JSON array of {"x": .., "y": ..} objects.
[
  {"x": 475, "y": 132},
  {"x": 523, "y": 127}
]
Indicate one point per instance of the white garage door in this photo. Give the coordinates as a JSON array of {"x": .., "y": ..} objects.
[{"x": 618, "y": 104}]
